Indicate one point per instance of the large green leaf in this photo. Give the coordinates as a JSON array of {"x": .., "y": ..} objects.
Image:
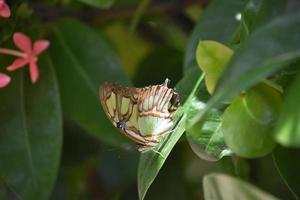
[
  {"x": 83, "y": 61},
  {"x": 268, "y": 49},
  {"x": 151, "y": 162},
  {"x": 99, "y": 3},
  {"x": 31, "y": 132},
  {"x": 257, "y": 13},
  {"x": 218, "y": 22},
  {"x": 224, "y": 187},
  {"x": 288, "y": 128},
  {"x": 287, "y": 162},
  {"x": 249, "y": 119}
]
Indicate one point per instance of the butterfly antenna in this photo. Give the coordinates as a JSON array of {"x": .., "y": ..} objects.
[{"x": 166, "y": 83}]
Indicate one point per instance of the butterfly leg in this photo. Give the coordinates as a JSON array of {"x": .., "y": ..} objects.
[
  {"x": 157, "y": 137},
  {"x": 144, "y": 149}
]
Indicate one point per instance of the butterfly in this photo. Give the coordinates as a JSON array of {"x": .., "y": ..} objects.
[{"x": 142, "y": 114}]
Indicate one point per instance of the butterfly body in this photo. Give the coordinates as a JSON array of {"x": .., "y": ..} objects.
[{"x": 142, "y": 114}]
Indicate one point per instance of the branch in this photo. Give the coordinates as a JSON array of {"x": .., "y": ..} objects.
[{"x": 92, "y": 15}]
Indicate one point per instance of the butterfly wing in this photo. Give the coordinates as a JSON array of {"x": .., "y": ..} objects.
[
  {"x": 120, "y": 106},
  {"x": 156, "y": 106}
]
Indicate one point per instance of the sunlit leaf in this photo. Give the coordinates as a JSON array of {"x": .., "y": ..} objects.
[
  {"x": 249, "y": 119},
  {"x": 218, "y": 23},
  {"x": 212, "y": 57},
  {"x": 251, "y": 62}
]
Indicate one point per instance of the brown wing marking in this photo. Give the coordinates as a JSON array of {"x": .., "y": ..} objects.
[
  {"x": 110, "y": 90},
  {"x": 158, "y": 101}
]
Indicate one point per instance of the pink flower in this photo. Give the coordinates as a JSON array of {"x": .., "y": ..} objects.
[
  {"x": 4, "y": 80},
  {"x": 29, "y": 54},
  {"x": 4, "y": 9}
]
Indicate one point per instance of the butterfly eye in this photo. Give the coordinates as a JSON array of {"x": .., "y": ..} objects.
[
  {"x": 119, "y": 125},
  {"x": 174, "y": 102}
]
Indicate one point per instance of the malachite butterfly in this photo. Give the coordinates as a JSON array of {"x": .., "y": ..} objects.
[{"x": 142, "y": 114}]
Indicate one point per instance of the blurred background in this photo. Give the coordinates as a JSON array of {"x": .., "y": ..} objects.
[{"x": 150, "y": 39}]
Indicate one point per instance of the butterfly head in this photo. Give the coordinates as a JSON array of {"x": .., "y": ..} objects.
[{"x": 121, "y": 125}]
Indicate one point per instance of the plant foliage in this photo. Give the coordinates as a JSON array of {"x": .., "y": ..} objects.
[{"x": 234, "y": 64}]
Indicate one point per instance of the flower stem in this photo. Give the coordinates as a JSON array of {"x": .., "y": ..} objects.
[{"x": 12, "y": 52}]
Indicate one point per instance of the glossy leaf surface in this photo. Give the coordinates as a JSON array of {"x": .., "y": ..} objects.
[
  {"x": 206, "y": 138},
  {"x": 31, "y": 132},
  {"x": 80, "y": 74},
  {"x": 249, "y": 119}
]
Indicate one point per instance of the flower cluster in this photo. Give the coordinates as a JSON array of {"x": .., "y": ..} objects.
[
  {"x": 28, "y": 54},
  {"x": 4, "y": 9}
]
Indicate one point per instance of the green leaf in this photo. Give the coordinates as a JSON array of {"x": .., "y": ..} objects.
[
  {"x": 151, "y": 162},
  {"x": 206, "y": 138},
  {"x": 248, "y": 121},
  {"x": 99, "y": 3},
  {"x": 218, "y": 22},
  {"x": 224, "y": 187},
  {"x": 2, "y": 189},
  {"x": 31, "y": 132},
  {"x": 287, "y": 163},
  {"x": 259, "y": 12},
  {"x": 84, "y": 61},
  {"x": 212, "y": 57},
  {"x": 268, "y": 49},
  {"x": 287, "y": 132}
]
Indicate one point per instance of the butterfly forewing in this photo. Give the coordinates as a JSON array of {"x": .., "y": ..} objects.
[{"x": 120, "y": 105}]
